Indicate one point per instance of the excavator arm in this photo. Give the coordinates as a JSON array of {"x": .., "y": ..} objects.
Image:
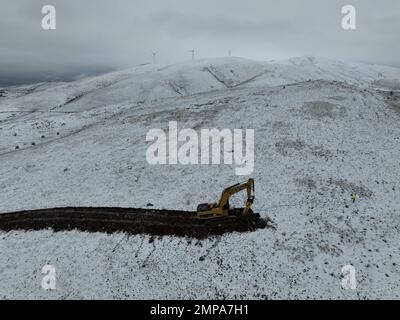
[
  {"x": 221, "y": 209},
  {"x": 230, "y": 191}
]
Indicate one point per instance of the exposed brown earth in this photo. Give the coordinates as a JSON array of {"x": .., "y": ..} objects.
[{"x": 131, "y": 221}]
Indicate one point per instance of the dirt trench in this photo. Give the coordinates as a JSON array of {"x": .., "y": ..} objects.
[{"x": 131, "y": 221}]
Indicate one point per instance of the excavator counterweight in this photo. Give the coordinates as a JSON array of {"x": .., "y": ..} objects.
[{"x": 222, "y": 208}]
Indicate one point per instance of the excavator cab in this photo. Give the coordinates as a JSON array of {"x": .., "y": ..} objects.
[{"x": 222, "y": 208}]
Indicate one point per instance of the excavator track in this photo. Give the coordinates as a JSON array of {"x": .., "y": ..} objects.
[{"x": 131, "y": 221}]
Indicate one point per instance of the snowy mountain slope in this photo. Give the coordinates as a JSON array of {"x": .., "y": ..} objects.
[
  {"x": 317, "y": 142},
  {"x": 151, "y": 82},
  {"x": 140, "y": 84}
]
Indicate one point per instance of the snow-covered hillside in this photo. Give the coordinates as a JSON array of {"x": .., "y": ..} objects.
[{"x": 324, "y": 130}]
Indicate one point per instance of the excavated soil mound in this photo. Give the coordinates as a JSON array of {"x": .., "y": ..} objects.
[{"x": 131, "y": 221}]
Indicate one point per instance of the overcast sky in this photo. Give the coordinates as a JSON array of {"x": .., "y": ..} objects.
[{"x": 101, "y": 35}]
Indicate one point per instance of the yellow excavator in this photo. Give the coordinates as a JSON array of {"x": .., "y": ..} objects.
[{"x": 222, "y": 208}]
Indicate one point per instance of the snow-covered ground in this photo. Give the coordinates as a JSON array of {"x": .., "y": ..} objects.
[{"x": 324, "y": 130}]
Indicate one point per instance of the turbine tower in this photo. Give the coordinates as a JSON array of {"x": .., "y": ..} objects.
[{"x": 192, "y": 51}]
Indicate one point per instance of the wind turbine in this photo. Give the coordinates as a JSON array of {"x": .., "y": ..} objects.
[{"x": 192, "y": 51}]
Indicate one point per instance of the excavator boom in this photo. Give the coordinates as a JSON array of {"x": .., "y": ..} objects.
[{"x": 221, "y": 209}]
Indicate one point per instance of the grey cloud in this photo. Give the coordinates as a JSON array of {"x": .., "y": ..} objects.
[{"x": 100, "y": 35}]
